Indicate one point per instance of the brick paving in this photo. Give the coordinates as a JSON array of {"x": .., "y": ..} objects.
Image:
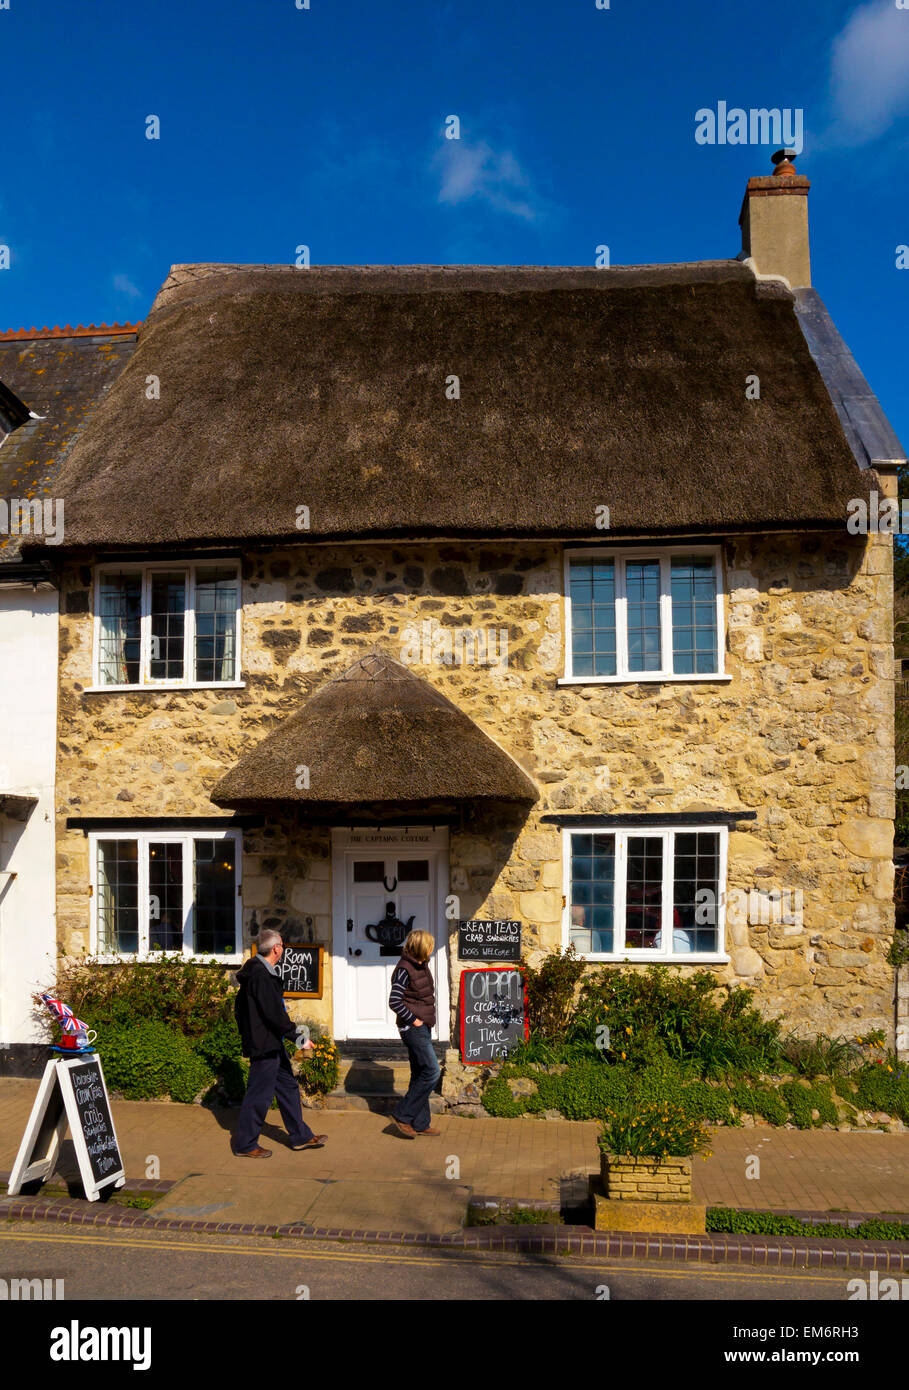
[{"x": 524, "y": 1159}]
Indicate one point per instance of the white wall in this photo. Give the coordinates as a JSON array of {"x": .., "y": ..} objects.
[{"x": 28, "y": 744}]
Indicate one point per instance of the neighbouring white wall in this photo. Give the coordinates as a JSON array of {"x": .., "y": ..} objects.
[{"x": 28, "y": 742}]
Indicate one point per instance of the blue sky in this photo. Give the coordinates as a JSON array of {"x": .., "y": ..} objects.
[{"x": 283, "y": 126}]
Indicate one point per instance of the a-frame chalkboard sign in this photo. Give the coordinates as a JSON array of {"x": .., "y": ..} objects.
[{"x": 72, "y": 1094}]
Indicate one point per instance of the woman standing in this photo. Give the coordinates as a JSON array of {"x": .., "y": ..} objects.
[{"x": 413, "y": 1001}]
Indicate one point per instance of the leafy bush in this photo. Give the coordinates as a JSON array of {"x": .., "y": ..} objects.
[
  {"x": 821, "y": 1055},
  {"x": 498, "y": 1100},
  {"x": 319, "y": 1069},
  {"x": 550, "y": 992},
  {"x": 658, "y": 1130},
  {"x": 190, "y": 998},
  {"x": 174, "y": 1016},
  {"x": 150, "y": 1059},
  {"x": 884, "y": 1086},
  {"x": 656, "y": 1012},
  {"x": 765, "y": 1101}
]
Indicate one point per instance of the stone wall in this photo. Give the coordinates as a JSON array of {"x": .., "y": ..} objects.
[{"x": 802, "y": 735}]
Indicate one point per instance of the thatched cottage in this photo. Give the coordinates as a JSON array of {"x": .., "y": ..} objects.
[
  {"x": 50, "y": 381},
  {"x": 486, "y": 593}
]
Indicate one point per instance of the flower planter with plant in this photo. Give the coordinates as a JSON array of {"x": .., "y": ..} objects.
[{"x": 645, "y": 1160}]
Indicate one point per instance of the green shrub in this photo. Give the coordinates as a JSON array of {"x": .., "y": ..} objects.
[
  {"x": 220, "y": 1044},
  {"x": 498, "y": 1100},
  {"x": 188, "y": 1007},
  {"x": 765, "y": 1101},
  {"x": 191, "y": 998},
  {"x": 658, "y": 1012},
  {"x": 884, "y": 1086},
  {"x": 319, "y": 1068},
  {"x": 550, "y": 992},
  {"x": 821, "y": 1055},
  {"x": 150, "y": 1059},
  {"x": 803, "y": 1100}
]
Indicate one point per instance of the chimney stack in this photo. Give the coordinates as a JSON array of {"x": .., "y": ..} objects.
[{"x": 774, "y": 222}]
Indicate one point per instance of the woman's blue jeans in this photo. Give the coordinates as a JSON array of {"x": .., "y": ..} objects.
[{"x": 424, "y": 1075}]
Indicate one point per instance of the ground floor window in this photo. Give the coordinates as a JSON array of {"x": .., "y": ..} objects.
[
  {"x": 166, "y": 892},
  {"x": 646, "y": 894}
]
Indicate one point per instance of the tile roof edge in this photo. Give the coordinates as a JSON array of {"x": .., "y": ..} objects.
[
  {"x": 91, "y": 330},
  {"x": 868, "y": 431}
]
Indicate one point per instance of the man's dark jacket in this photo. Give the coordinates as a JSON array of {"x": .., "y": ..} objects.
[{"x": 259, "y": 1009}]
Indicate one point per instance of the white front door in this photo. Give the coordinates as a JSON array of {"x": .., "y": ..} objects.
[{"x": 385, "y": 883}]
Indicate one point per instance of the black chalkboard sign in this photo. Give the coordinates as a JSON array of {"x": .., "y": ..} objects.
[
  {"x": 493, "y": 1014},
  {"x": 72, "y": 1095},
  {"x": 95, "y": 1121},
  {"x": 300, "y": 969},
  {"x": 496, "y": 939}
]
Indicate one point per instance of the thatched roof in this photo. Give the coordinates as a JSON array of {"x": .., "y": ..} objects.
[
  {"x": 375, "y": 734},
  {"x": 579, "y": 388}
]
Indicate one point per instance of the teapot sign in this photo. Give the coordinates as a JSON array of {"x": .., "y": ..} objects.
[{"x": 390, "y": 933}]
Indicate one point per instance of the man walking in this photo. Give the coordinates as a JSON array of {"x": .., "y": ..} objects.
[
  {"x": 413, "y": 1001},
  {"x": 264, "y": 1023}
]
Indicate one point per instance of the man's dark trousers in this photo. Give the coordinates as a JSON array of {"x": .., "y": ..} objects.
[
  {"x": 424, "y": 1073},
  {"x": 270, "y": 1075}
]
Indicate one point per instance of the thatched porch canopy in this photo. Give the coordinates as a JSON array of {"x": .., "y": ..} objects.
[{"x": 375, "y": 734}]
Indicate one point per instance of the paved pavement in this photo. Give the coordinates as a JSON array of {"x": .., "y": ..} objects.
[{"x": 360, "y": 1172}]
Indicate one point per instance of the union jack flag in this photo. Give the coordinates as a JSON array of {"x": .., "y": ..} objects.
[{"x": 64, "y": 1015}]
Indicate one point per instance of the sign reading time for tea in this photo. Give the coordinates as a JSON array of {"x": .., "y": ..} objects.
[{"x": 493, "y": 1014}]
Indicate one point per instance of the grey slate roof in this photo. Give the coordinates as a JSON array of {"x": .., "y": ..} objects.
[
  {"x": 871, "y": 436},
  {"x": 61, "y": 378}
]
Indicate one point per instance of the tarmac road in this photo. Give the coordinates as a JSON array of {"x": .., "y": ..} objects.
[{"x": 145, "y": 1265}]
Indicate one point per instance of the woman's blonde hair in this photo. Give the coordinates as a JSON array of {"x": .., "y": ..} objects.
[{"x": 420, "y": 945}]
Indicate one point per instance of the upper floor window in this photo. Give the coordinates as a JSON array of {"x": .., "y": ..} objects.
[
  {"x": 166, "y": 891},
  {"x": 653, "y": 614},
  {"x": 167, "y": 624}
]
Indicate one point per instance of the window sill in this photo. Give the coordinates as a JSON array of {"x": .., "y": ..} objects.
[
  {"x": 649, "y": 958},
  {"x": 154, "y": 688},
  {"x": 641, "y": 678},
  {"x": 155, "y": 957}
]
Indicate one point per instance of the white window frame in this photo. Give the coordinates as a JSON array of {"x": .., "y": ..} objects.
[
  {"x": 167, "y": 836},
  {"x": 667, "y": 833},
  {"x": 146, "y": 569},
  {"x": 664, "y": 554}
]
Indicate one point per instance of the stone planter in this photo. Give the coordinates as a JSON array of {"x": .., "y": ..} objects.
[
  {"x": 646, "y": 1194},
  {"x": 647, "y": 1179}
]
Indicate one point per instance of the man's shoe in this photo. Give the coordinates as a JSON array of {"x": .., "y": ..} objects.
[
  {"x": 257, "y": 1152},
  {"x": 316, "y": 1142},
  {"x": 430, "y": 1130},
  {"x": 407, "y": 1130}
]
